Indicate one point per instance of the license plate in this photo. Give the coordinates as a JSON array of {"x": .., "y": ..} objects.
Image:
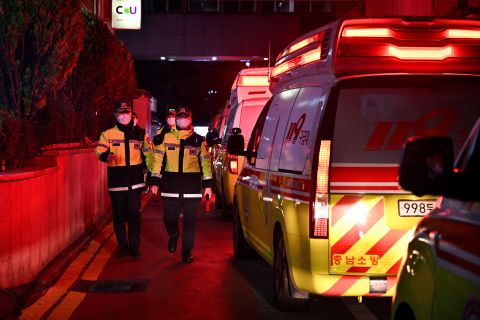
[{"x": 415, "y": 208}]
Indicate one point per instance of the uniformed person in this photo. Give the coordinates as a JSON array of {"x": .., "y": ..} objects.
[
  {"x": 187, "y": 170},
  {"x": 170, "y": 119},
  {"x": 121, "y": 147}
]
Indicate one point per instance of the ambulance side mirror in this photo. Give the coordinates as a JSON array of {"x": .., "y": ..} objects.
[
  {"x": 212, "y": 137},
  {"x": 236, "y": 143},
  {"x": 426, "y": 165}
]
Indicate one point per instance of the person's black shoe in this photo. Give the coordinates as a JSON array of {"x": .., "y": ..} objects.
[
  {"x": 136, "y": 255},
  {"x": 187, "y": 257},
  {"x": 121, "y": 253},
  {"x": 172, "y": 244}
]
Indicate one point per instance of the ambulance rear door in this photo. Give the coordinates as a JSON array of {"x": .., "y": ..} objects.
[{"x": 370, "y": 216}]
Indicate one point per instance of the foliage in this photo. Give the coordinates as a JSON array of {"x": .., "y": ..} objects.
[
  {"x": 60, "y": 71},
  {"x": 104, "y": 73},
  {"x": 40, "y": 43}
]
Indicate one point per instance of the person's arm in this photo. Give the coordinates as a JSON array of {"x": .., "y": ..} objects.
[
  {"x": 156, "y": 166},
  {"x": 207, "y": 181},
  {"x": 103, "y": 149}
]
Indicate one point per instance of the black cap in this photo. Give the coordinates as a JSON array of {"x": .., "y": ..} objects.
[
  {"x": 122, "y": 106},
  {"x": 184, "y": 111}
]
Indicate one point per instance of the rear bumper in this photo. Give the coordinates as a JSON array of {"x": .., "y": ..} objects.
[{"x": 346, "y": 285}]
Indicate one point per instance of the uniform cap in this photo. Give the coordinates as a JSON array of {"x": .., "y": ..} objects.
[
  {"x": 184, "y": 111},
  {"x": 171, "y": 112},
  {"x": 122, "y": 106}
]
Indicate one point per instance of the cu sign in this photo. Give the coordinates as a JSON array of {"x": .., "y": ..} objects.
[
  {"x": 126, "y": 10},
  {"x": 126, "y": 14}
]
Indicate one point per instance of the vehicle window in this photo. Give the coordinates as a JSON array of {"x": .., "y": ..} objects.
[
  {"x": 229, "y": 125},
  {"x": 374, "y": 119},
  {"x": 249, "y": 113},
  {"x": 256, "y": 134},
  {"x": 468, "y": 160},
  {"x": 276, "y": 119},
  {"x": 300, "y": 132}
]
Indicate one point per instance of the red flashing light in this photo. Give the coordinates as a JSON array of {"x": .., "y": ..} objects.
[
  {"x": 354, "y": 32},
  {"x": 233, "y": 164},
  {"x": 303, "y": 59},
  {"x": 320, "y": 205},
  {"x": 253, "y": 81},
  {"x": 463, "y": 34},
  {"x": 301, "y": 44},
  {"x": 420, "y": 53}
]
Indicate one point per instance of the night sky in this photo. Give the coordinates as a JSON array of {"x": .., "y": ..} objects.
[{"x": 187, "y": 83}]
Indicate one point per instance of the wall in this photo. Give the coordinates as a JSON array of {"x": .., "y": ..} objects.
[
  {"x": 47, "y": 206},
  {"x": 209, "y": 35}
]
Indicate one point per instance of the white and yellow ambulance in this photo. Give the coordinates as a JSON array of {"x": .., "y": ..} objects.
[
  {"x": 248, "y": 96},
  {"x": 318, "y": 196}
]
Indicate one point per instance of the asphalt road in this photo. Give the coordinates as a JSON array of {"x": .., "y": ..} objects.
[{"x": 215, "y": 286}]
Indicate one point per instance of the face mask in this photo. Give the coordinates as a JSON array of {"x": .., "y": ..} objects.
[
  {"x": 184, "y": 123},
  {"x": 171, "y": 121},
  {"x": 124, "y": 118}
]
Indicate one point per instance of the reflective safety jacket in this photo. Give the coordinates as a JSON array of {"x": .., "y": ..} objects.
[
  {"x": 126, "y": 171},
  {"x": 186, "y": 161}
]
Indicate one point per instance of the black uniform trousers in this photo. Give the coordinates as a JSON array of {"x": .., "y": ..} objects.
[
  {"x": 126, "y": 209},
  {"x": 171, "y": 211}
]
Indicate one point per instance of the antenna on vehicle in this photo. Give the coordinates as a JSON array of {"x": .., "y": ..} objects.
[{"x": 269, "y": 43}]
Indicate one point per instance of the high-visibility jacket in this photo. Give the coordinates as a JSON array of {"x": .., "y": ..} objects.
[
  {"x": 186, "y": 161},
  {"x": 126, "y": 171}
]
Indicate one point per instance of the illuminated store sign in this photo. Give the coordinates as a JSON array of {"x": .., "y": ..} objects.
[{"x": 126, "y": 14}]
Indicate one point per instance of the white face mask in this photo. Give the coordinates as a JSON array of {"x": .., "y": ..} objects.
[
  {"x": 124, "y": 118},
  {"x": 184, "y": 123},
  {"x": 171, "y": 121}
]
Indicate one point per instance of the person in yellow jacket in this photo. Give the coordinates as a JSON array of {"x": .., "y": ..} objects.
[
  {"x": 187, "y": 170},
  {"x": 121, "y": 147}
]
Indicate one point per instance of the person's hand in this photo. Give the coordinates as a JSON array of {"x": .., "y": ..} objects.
[
  {"x": 208, "y": 193},
  {"x": 154, "y": 189},
  {"x": 111, "y": 157}
]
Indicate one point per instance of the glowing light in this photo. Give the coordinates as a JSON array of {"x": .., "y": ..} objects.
[
  {"x": 253, "y": 81},
  {"x": 463, "y": 34},
  {"x": 214, "y": 58},
  {"x": 353, "y": 32},
  {"x": 306, "y": 58},
  {"x": 420, "y": 53},
  {"x": 163, "y": 58}
]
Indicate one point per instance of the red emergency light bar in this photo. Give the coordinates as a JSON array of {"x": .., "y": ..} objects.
[
  {"x": 303, "y": 59},
  {"x": 253, "y": 81},
  {"x": 353, "y": 32},
  {"x": 299, "y": 45},
  {"x": 463, "y": 34},
  {"x": 416, "y": 53},
  {"x": 385, "y": 32}
]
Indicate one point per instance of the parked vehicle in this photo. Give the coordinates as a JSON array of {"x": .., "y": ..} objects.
[
  {"x": 440, "y": 278},
  {"x": 249, "y": 94},
  {"x": 318, "y": 196}
]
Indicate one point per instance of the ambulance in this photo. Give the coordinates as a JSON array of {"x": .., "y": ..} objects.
[
  {"x": 318, "y": 196},
  {"x": 250, "y": 91}
]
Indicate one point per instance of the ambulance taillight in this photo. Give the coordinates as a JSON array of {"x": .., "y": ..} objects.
[
  {"x": 253, "y": 81},
  {"x": 319, "y": 207},
  {"x": 233, "y": 164}
]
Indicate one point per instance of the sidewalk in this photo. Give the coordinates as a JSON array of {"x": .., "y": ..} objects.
[{"x": 97, "y": 285}]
